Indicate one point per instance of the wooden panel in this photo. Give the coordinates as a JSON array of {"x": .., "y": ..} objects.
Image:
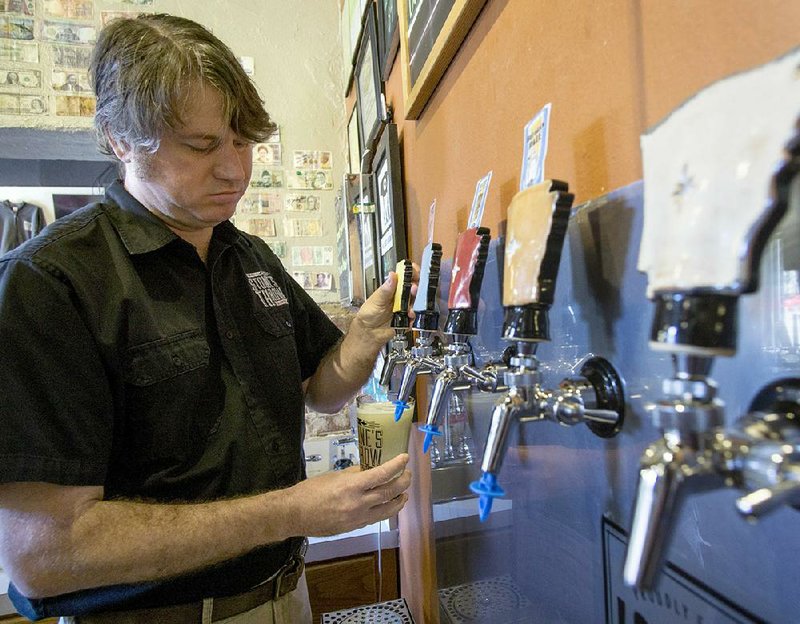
[
  {"x": 18, "y": 619},
  {"x": 351, "y": 582}
]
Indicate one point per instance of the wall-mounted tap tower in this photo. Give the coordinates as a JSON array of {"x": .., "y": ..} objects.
[
  {"x": 537, "y": 225},
  {"x": 696, "y": 289}
]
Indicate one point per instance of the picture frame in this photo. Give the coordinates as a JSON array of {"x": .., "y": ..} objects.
[
  {"x": 361, "y": 232},
  {"x": 389, "y": 203},
  {"x": 431, "y": 37},
  {"x": 388, "y": 35},
  {"x": 344, "y": 267},
  {"x": 369, "y": 86},
  {"x": 347, "y": 47},
  {"x": 353, "y": 142}
]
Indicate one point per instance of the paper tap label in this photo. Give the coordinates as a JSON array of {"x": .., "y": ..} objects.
[
  {"x": 431, "y": 221},
  {"x": 479, "y": 201},
  {"x": 534, "y": 149}
]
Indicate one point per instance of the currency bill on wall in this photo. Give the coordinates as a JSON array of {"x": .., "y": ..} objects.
[
  {"x": 68, "y": 32},
  {"x": 263, "y": 227},
  {"x": 266, "y": 178},
  {"x": 74, "y": 106},
  {"x": 13, "y": 78},
  {"x": 22, "y": 7},
  {"x": 267, "y": 154},
  {"x": 259, "y": 203},
  {"x": 311, "y": 159},
  {"x": 69, "y": 9},
  {"x": 301, "y": 203},
  {"x": 278, "y": 248},
  {"x": 303, "y": 227},
  {"x": 74, "y": 82},
  {"x": 19, "y": 28},
  {"x": 76, "y": 57},
  {"x": 312, "y": 255},
  {"x": 310, "y": 179},
  {"x": 14, "y": 104},
  {"x": 19, "y": 51}
]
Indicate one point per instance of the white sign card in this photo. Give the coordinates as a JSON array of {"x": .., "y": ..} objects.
[{"x": 534, "y": 148}]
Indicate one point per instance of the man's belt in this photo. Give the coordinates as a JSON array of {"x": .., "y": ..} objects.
[{"x": 281, "y": 583}]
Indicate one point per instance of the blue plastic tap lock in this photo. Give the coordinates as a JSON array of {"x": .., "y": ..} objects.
[
  {"x": 429, "y": 431},
  {"x": 487, "y": 489},
  {"x": 400, "y": 407}
]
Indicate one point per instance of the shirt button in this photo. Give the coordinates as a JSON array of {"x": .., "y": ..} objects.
[
  {"x": 176, "y": 360},
  {"x": 288, "y": 323},
  {"x": 276, "y": 446},
  {"x": 229, "y": 335}
]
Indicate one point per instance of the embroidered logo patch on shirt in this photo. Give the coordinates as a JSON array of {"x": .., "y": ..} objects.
[{"x": 267, "y": 290}]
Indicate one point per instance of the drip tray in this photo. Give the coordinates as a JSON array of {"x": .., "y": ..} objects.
[
  {"x": 389, "y": 612},
  {"x": 492, "y": 601}
]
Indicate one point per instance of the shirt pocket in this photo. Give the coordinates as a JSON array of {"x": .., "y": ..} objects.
[
  {"x": 159, "y": 360},
  {"x": 277, "y": 322},
  {"x": 171, "y": 400}
]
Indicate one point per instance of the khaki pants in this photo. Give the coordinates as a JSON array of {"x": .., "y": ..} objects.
[{"x": 291, "y": 608}]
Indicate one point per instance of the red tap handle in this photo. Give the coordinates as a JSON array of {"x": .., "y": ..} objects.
[{"x": 469, "y": 262}]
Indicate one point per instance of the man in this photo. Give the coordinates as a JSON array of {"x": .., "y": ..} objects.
[{"x": 156, "y": 365}]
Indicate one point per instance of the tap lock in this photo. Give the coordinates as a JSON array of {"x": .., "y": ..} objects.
[
  {"x": 398, "y": 348},
  {"x": 537, "y": 223}
]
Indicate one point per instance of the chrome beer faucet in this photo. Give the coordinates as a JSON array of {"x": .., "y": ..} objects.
[
  {"x": 426, "y": 322},
  {"x": 537, "y": 224},
  {"x": 398, "y": 347},
  {"x": 695, "y": 320},
  {"x": 455, "y": 371}
]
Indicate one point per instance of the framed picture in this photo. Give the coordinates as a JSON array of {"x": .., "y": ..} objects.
[
  {"x": 343, "y": 265},
  {"x": 389, "y": 205},
  {"x": 431, "y": 32},
  {"x": 346, "y": 44},
  {"x": 362, "y": 232},
  {"x": 388, "y": 35},
  {"x": 353, "y": 145},
  {"x": 369, "y": 86}
]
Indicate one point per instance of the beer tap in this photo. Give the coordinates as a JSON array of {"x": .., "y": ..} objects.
[
  {"x": 696, "y": 320},
  {"x": 537, "y": 224},
  {"x": 426, "y": 323},
  {"x": 398, "y": 349},
  {"x": 455, "y": 372}
]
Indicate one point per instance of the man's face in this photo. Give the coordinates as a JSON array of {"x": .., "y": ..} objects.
[{"x": 200, "y": 170}]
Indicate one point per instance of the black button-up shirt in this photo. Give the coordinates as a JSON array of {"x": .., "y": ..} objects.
[{"x": 131, "y": 364}]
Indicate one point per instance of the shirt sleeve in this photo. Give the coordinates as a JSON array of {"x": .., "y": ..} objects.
[{"x": 56, "y": 411}]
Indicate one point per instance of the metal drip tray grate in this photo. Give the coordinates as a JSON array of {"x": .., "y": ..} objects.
[
  {"x": 389, "y": 612},
  {"x": 492, "y": 601}
]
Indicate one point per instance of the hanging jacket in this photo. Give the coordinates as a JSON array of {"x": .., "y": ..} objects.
[{"x": 18, "y": 222}]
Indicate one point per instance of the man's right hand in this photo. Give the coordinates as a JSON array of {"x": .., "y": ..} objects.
[{"x": 341, "y": 501}]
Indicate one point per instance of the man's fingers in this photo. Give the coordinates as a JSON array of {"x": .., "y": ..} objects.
[{"x": 383, "y": 474}]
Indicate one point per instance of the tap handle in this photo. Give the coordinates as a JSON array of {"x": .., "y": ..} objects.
[
  {"x": 427, "y": 315},
  {"x": 537, "y": 225},
  {"x": 402, "y": 296},
  {"x": 469, "y": 263}
]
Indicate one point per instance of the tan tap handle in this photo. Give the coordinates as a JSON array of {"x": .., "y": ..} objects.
[{"x": 537, "y": 224}]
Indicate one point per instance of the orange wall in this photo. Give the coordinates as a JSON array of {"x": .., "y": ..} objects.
[{"x": 611, "y": 69}]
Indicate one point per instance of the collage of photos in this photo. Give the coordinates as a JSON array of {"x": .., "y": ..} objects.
[
  {"x": 45, "y": 49},
  {"x": 282, "y": 206}
]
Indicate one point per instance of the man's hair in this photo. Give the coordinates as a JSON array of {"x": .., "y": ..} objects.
[{"x": 142, "y": 70}]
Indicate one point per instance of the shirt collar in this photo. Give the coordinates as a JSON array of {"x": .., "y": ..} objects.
[{"x": 142, "y": 232}]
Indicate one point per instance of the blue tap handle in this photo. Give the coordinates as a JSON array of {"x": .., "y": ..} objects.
[
  {"x": 429, "y": 431},
  {"x": 487, "y": 489}
]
